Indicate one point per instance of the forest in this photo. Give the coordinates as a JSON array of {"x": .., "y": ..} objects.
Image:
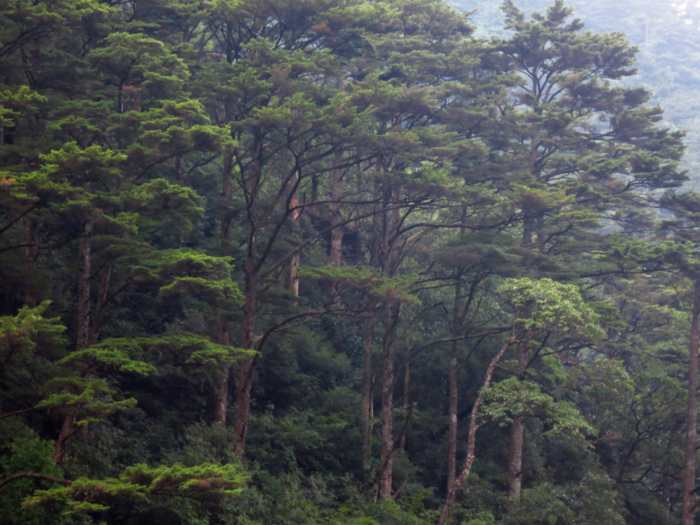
[{"x": 347, "y": 262}]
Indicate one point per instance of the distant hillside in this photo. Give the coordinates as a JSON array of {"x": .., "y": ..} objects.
[{"x": 668, "y": 36}]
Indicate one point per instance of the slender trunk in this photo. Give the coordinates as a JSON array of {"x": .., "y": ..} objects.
[
  {"x": 541, "y": 235},
  {"x": 222, "y": 335},
  {"x": 245, "y": 371},
  {"x": 366, "y": 388},
  {"x": 688, "y": 504},
  {"x": 227, "y": 195},
  {"x": 517, "y": 434},
  {"x": 446, "y": 511},
  {"x": 83, "y": 338},
  {"x": 294, "y": 275},
  {"x": 515, "y": 458},
  {"x": 452, "y": 414},
  {"x": 528, "y": 231},
  {"x": 387, "y": 415},
  {"x": 30, "y": 258},
  {"x": 84, "y": 255},
  {"x": 293, "y": 283},
  {"x": 336, "y": 252},
  {"x": 367, "y": 370},
  {"x": 406, "y": 403},
  {"x": 101, "y": 301},
  {"x": 222, "y": 387}
]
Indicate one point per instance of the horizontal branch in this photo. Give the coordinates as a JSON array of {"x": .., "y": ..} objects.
[{"x": 36, "y": 475}]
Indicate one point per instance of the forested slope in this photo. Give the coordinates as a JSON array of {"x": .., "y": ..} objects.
[{"x": 296, "y": 262}]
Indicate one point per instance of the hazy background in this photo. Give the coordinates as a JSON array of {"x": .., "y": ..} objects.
[{"x": 667, "y": 33}]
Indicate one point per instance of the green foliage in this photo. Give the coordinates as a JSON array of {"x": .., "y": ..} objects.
[
  {"x": 26, "y": 453},
  {"x": 513, "y": 398},
  {"x": 143, "y": 483},
  {"x": 24, "y": 333},
  {"x": 546, "y": 305},
  {"x": 282, "y": 238}
]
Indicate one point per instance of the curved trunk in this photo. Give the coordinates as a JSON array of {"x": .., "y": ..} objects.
[{"x": 446, "y": 511}]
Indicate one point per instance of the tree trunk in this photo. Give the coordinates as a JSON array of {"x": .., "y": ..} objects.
[
  {"x": 515, "y": 458},
  {"x": 688, "y": 504},
  {"x": 223, "y": 336},
  {"x": 446, "y": 511},
  {"x": 517, "y": 433},
  {"x": 452, "y": 415},
  {"x": 366, "y": 389},
  {"x": 83, "y": 338},
  {"x": 406, "y": 404},
  {"x": 387, "y": 415},
  {"x": 30, "y": 258},
  {"x": 293, "y": 283},
  {"x": 457, "y": 323},
  {"x": 335, "y": 257},
  {"x": 67, "y": 430},
  {"x": 100, "y": 305},
  {"x": 84, "y": 256},
  {"x": 245, "y": 371},
  {"x": 222, "y": 388}
]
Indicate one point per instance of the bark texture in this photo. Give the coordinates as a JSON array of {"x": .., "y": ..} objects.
[{"x": 387, "y": 416}]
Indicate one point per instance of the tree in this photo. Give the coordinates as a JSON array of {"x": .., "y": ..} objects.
[
  {"x": 539, "y": 309},
  {"x": 589, "y": 148}
]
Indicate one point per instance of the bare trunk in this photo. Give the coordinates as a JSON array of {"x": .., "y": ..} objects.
[
  {"x": 336, "y": 253},
  {"x": 406, "y": 404},
  {"x": 84, "y": 255},
  {"x": 446, "y": 511},
  {"x": 528, "y": 232},
  {"x": 294, "y": 275},
  {"x": 294, "y": 263},
  {"x": 452, "y": 415},
  {"x": 453, "y": 393},
  {"x": 515, "y": 458},
  {"x": 387, "y": 415},
  {"x": 688, "y": 504},
  {"x": 335, "y": 258},
  {"x": 223, "y": 336},
  {"x": 367, "y": 388},
  {"x": 67, "y": 430},
  {"x": 227, "y": 195},
  {"x": 83, "y": 338},
  {"x": 245, "y": 371},
  {"x": 31, "y": 256},
  {"x": 222, "y": 388},
  {"x": 517, "y": 433},
  {"x": 100, "y": 305}
]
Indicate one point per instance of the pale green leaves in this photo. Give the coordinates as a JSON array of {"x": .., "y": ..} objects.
[
  {"x": 549, "y": 306},
  {"x": 513, "y": 398}
]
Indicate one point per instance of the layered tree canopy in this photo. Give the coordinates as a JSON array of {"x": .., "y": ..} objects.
[{"x": 339, "y": 262}]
